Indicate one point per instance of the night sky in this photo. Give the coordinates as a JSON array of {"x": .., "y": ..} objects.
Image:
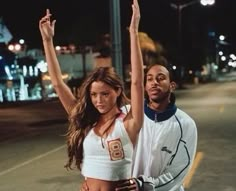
[{"x": 83, "y": 22}]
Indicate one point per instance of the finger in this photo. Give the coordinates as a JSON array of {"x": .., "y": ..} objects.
[
  {"x": 53, "y": 23},
  {"x": 131, "y": 181},
  {"x": 127, "y": 185},
  {"x": 124, "y": 184},
  {"x": 127, "y": 188},
  {"x": 44, "y": 20},
  {"x": 48, "y": 15},
  {"x": 48, "y": 12},
  {"x": 122, "y": 188},
  {"x": 135, "y": 6},
  {"x": 84, "y": 186}
]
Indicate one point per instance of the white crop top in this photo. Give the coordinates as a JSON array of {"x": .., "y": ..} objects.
[{"x": 111, "y": 162}]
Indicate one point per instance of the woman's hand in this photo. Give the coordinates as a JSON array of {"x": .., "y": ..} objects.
[
  {"x": 46, "y": 27},
  {"x": 84, "y": 186},
  {"x": 134, "y": 24}
]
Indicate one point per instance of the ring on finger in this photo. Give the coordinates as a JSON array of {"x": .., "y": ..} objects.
[{"x": 131, "y": 181}]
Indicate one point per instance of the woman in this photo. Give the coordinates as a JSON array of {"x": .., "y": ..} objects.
[{"x": 100, "y": 137}]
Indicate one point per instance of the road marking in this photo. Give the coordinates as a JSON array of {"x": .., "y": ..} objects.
[
  {"x": 31, "y": 160},
  {"x": 197, "y": 160}
]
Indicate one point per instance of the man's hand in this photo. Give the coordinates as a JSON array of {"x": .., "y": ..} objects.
[{"x": 128, "y": 185}]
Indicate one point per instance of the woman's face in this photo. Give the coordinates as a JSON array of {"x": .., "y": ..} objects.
[{"x": 103, "y": 96}]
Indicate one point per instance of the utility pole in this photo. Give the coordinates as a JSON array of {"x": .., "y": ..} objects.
[
  {"x": 179, "y": 7},
  {"x": 116, "y": 36}
]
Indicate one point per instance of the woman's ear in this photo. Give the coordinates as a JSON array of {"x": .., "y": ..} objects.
[
  {"x": 119, "y": 92},
  {"x": 172, "y": 86}
]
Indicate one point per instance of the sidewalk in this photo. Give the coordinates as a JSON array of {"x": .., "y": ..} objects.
[{"x": 227, "y": 77}]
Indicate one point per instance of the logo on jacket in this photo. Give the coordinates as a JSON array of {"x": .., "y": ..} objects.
[{"x": 166, "y": 149}]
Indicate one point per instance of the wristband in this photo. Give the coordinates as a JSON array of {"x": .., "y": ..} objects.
[{"x": 139, "y": 182}]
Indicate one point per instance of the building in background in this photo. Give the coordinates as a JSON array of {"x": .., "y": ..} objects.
[{"x": 24, "y": 74}]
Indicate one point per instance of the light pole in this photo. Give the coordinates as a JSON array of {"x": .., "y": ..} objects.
[
  {"x": 179, "y": 8},
  {"x": 116, "y": 36}
]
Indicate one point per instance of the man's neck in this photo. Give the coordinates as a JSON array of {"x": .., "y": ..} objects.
[{"x": 158, "y": 106}]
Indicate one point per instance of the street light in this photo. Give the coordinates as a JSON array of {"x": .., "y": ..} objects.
[
  {"x": 207, "y": 2},
  {"x": 179, "y": 8}
]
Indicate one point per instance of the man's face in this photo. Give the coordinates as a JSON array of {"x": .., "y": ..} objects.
[{"x": 158, "y": 85}]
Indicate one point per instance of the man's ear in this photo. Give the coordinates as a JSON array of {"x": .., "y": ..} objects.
[{"x": 172, "y": 86}]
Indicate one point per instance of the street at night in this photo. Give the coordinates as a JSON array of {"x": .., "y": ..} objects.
[
  {"x": 33, "y": 150},
  {"x": 196, "y": 37}
]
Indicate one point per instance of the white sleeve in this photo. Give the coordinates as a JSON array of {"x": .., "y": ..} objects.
[{"x": 178, "y": 166}]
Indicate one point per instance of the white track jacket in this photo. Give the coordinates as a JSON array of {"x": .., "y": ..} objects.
[{"x": 165, "y": 150}]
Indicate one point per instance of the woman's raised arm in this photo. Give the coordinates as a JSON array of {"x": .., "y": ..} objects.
[
  {"x": 137, "y": 75},
  {"x": 47, "y": 29}
]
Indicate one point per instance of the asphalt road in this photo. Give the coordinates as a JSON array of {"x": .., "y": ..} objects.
[
  {"x": 213, "y": 106},
  {"x": 33, "y": 152}
]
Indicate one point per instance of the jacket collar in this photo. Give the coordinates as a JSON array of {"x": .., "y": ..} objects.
[{"x": 160, "y": 116}]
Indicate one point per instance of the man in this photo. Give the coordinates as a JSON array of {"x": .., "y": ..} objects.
[{"x": 167, "y": 142}]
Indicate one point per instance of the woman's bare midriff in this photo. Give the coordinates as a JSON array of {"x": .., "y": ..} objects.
[{"x": 101, "y": 185}]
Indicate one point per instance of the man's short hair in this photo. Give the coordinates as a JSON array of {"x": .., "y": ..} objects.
[{"x": 161, "y": 60}]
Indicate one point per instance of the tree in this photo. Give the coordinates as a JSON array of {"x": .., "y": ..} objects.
[{"x": 150, "y": 49}]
